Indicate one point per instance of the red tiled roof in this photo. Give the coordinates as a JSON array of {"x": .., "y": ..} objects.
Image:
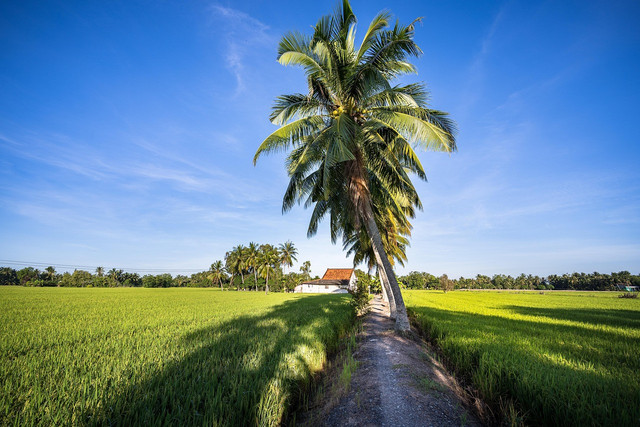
[{"x": 338, "y": 274}]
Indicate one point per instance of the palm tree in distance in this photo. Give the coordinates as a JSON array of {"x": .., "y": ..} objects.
[
  {"x": 288, "y": 254},
  {"x": 100, "y": 271},
  {"x": 239, "y": 263},
  {"x": 216, "y": 273},
  {"x": 353, "y": 133},
  {"x": 306, "y": 270},
  {"x": 252, "y": 253},
  {"x": 229, "y": 263},
  {"x": 269, "y": 258}
]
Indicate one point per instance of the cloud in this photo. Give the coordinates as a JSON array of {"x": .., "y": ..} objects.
[
  {"x": 476, "y": 68},
  {"x": 242, "y": 34}
]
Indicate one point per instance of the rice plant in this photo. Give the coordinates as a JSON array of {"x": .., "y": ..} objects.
[
  {"x": 160, "y": 356},
  {"x": 563, "y": 358}
]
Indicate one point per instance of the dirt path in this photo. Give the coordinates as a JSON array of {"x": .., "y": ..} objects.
[{"x": 397, "y": 383}]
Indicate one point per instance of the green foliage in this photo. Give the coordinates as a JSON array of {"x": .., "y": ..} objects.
[
  {"x": 562, "y": 357},
  {"x": 420, "y": 280},
  {"x": 8, "y": 277},
  {"x": 446, "y": 284},
  {"x": 159, "y": 281},
  {"x": 575, "y": 281},
  {"x": 360, "y": 300},
  {"x": 369, "y": 283},
  {"x": 134, "y": 356}
]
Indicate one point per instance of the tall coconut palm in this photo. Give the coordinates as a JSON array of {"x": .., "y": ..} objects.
[
  {"x": 288, "y": 253},
  {"x": 252, "y": 253},
  {"x": 229, "y": 263},
  {"x": 216, "y": 273},
  {"x": 239, "y": 261},
  {"x": 100, "y": 271},
  {"x": 353, "y": 133},
  {"x": 269, "y": 258}
]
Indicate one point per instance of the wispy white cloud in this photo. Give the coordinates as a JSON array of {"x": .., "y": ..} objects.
[
  {"x": 242, "y": 34},
  {"x": 476, "y": 71}
]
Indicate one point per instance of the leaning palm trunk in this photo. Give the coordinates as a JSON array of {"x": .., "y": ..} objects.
[
  {"x": 255, "y": 275},
  {"x": 383, "y": 286},
  {"x": 402, "y": 320},
  {"x": 266, "y": 289},
  {"x": 387, "y": 295}
]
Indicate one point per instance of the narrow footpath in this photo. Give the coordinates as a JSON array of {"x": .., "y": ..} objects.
[{"x": 398, "y": 383}]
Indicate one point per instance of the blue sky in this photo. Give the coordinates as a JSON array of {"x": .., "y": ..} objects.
[{"x": 127, "y": 131}]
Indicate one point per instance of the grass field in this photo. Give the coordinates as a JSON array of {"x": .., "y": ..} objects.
[
  {"x": 157, "y": 356},
  {"x": 562, "y": 358}
]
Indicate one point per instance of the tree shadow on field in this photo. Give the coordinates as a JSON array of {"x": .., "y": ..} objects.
[
  {"x": 607, "y": 317},
  {"x": 558, "y": 374},
  {"x": 243, "y": 371}
]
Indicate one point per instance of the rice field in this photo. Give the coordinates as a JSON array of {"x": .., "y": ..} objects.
[
  {"x": 558, "y": 358},
  {"x": 134, "y": 356}
]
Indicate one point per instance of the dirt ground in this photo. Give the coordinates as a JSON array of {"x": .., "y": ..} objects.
[{"x": 398, "y": 382}]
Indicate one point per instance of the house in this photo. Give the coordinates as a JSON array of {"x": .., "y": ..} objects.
[{"x": 334, "y": 281}]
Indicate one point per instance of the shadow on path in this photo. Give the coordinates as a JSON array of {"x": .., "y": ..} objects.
[{"x": 397, "y": 383}]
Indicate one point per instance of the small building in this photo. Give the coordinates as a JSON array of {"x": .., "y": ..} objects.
[{"x": 334, "y": 281}]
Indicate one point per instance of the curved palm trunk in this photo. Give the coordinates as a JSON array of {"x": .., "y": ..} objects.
[
  {"x": 266, "y": 289},
  {"x": 255, "y": 276},
  {"x": 387, "y": 295},
  {"x": 361, "y": 199},
  {"x": 402, "y": 320},
  {"x": 242, "y": 277}
]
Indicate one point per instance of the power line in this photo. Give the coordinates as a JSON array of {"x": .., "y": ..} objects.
[{"x": 93, "y": 267}]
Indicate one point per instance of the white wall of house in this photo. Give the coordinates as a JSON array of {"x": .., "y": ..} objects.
[
  {"x": 319, "y": 289},
  {"x": 352, "y": 281}
]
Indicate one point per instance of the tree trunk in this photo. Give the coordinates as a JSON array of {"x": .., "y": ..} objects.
[
  {"x": 402, "y": 320},
  {"x": 385, "y": 297},
  {"x": 241, "y": 276},
  {"x": 266, "y": 288},
  {"x": 255, "y": 276},
  {"x": 387, "y": 294}
]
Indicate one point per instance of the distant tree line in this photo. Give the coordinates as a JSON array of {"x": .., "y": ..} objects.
[
  {"x": 263, "y": 268},
  {"x": 254, "y": 267},
  {"x": 575, "y": 281}
]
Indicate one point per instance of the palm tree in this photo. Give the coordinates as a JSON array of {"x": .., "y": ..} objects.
[
  {"x": 50, "y": 273},
  {"x": 230, "y": 262},
  {"x": 252, "y": 253},
  {"x": 353, "y": 133},
  {"x": 288, "y": 254},
  {"x": 216, "y": 273},
  {"x": 239, "y": 262},
  {"x": 269, "y": 258},
  {"x": 100, "y": 271},
  {"x": 306, "y": 270}
]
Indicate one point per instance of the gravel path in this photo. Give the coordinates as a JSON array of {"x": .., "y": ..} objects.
[{"x": 398, "y": 383}]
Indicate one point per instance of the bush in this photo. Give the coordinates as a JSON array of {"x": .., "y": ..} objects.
[
  {"x": 360, "y": 300},
  {"x": 629, "y": 295}
]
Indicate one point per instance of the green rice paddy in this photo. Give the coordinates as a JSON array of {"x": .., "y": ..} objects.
[
  {"x": 561, "y": 358},
  {"x": 160, "y": 356}
]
